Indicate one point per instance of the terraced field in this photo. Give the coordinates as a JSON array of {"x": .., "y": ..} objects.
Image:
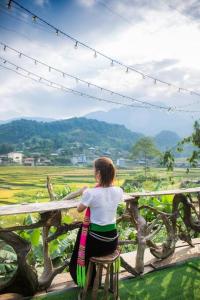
[{"x": 20, "y": 184}]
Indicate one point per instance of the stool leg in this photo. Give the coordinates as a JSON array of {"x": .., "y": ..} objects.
[
  {"x": 96, "y": 283},
  {"x": 117, "y": 285},
  {"x": 89, "y": 275},
  {"x": 100, "y": 275},
  {"x": 106, "y": 285},
  {"x": 112, "y": 277}
]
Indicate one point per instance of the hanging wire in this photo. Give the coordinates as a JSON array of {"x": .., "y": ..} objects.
[
  {"x": 19, "y": 18},
  {"x": 77, "y": 42},
  {"x": 41, "y": 79},
  {"x": 36, "y": 61},
  {"x": 52, "y": 84}
]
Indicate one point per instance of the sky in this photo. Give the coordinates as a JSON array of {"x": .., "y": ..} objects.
[{"x": 160, "y": 38}]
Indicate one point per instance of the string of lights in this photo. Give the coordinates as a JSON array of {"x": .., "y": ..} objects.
[
  {"x": 20, "y": 18},
  {"x": 40, "y": 79},
  {"x": 77, "y": 79},
  {"x": 96, "y": 53},
  {"x": 37, "y": 78}
]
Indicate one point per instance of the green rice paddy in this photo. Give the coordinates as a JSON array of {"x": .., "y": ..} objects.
[{"x": 20, "y": 184}]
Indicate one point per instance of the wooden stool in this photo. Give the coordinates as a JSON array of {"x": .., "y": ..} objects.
[
  {"x": 11, "y": 296},
  {"x": 111, "y": 264}
]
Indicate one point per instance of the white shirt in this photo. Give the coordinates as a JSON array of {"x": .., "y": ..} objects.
[{"x": 103, "y": 202}]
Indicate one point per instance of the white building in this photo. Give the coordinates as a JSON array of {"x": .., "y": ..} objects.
[
  {"x": 79, "y": 159},
  {"x": 16, "y": 157},
  {"x": 125, "y": 163},
  {"x": 121, "y": 162}
]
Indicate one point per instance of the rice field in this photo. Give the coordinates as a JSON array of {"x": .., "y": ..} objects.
[{"x": 19, "y": 184}]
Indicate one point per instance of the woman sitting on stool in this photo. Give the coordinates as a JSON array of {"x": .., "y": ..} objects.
[{"x": 97, "y": 235}]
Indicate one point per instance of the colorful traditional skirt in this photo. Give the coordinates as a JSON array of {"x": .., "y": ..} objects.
[{"x": 101, "y": 240}]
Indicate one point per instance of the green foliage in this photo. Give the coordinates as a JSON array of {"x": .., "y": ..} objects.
[
  {"x": 162, "y": 203},
  {"x": 144, "y": 149},
  {"x": 61, "y": 192},
  {"x": 35, "y": 237},
  {"x": 168, "y": 160},
  {"x": 67, "y": 219},
  {"x": 59, "y": 249},
  {"x": 8, "y": 261},
  {"x": 6, "y": 148},
  {"x": 193, "y": 139},
  {"x": 126, "y": 231}
]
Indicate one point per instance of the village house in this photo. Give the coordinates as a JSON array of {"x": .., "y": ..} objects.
[
  {"x": 124, "y": 163},
  {"x": 16, "y": 157},
  {"x": 29, "y": 161}
]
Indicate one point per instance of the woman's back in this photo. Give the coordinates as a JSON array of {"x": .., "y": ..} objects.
[{"x": 103, "y": 202}]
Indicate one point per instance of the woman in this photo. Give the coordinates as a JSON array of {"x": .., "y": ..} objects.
[{"x": 97, "y": 235}]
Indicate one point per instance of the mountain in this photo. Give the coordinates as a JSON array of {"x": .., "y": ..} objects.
[
  {"x": 58, "y": 134},
  {"x": 148, "y": 122},
  {"x": 166, "y": 139},
  {"x": 39, "y": 119}
]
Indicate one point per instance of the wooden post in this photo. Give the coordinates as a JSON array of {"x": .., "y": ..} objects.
[{"x": 141, "y": 227}]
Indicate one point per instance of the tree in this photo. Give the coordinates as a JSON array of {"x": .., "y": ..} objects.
[
  {"x": 194, "y": 139},
  {"x": 144, "y": 149},
  {"x": 6, "y": 148}
]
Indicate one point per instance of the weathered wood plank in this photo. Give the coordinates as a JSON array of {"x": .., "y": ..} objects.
[
  {"x": 66, "y": 203},
  {"x": 182, "y": 252},
  {"x": 36, "y": 207},
  {"x": 165, "y": 192}
]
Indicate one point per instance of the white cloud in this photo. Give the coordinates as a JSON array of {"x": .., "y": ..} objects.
[
  {"x": 161, "y": 43},
  {"x": 41, "y": 2},
  {"x": 87, "y": 3}
]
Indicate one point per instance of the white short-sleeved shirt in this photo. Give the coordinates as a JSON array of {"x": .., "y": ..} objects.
[{"x": 103, "y": 202}]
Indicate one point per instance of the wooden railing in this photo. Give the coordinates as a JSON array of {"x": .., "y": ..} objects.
[{"x": 26, "y": 280}]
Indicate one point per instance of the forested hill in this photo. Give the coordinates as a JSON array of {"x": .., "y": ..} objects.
[{"x": 58, "y": 134}]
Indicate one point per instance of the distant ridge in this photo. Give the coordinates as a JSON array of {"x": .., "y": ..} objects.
[
  {"x": 148, "y": 122},
  {"x": 37, "y": 136},
  {"x": 166, "y": 139},
  {"x": 64, "y": 132}
]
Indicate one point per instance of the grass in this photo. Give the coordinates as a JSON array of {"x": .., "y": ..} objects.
[{"x": 174, "y": 283}]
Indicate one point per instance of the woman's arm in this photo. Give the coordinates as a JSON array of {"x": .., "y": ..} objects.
[{"x": 81, "y": 207}]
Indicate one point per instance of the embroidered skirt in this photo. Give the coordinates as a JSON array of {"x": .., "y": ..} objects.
[{"x": 94, "y": 247}]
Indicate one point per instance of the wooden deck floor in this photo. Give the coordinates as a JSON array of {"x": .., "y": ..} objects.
[{"x": 182, "y": 253}]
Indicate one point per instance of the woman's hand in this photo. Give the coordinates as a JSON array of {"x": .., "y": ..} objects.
[{"x": 81, "y": 207}]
